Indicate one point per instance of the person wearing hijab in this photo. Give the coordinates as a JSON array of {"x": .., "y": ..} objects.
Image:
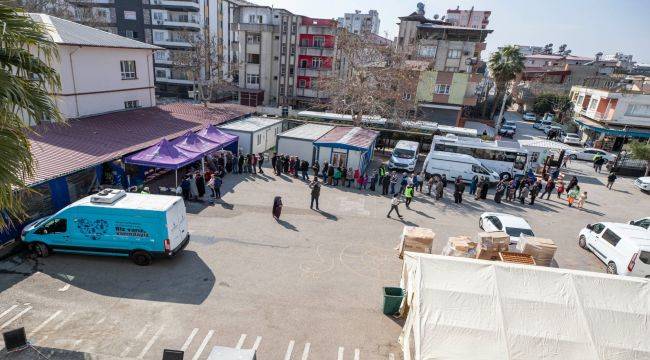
[
  {"x": 484, "y": 189},
  {"x": 277, "y": 207}
]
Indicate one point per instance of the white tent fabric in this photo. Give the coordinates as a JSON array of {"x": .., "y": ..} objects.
[{"x": 475, "y": 309}]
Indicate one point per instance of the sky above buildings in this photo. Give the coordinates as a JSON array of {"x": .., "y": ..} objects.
[{"x": 586, "y": 26}]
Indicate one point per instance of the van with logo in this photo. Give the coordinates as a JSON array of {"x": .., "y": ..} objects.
[
  {"x": 453, "y": 165},
  {"x": 404, "y": 156},
  {"x": 114, "y": 223}
]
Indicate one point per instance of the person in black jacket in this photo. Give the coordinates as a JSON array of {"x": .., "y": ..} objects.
[
  {"x": 240, "y": 163},
  {"x": 385, "y": 182},
  {"x": 274, "y": 161},
  {"x": 315, "y": 192},
  {"x": 459, "y": 189}
]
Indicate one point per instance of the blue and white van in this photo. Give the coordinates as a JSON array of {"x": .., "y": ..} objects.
[{"x": 115, "y": 223}]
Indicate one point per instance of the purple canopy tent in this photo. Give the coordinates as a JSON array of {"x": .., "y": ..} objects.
[
  {"x": 213, "y": 134},
  {"x": 192, "y": 142},
  {"x": 164, "y": 155}
]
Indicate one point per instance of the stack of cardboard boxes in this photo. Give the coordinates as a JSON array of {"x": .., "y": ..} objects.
[
  {"x": 542, "y": 250},
  {"x": 490, "y": 244},
  {"x": 460, "y": 246},
  {"x": 416, "y": 239}
]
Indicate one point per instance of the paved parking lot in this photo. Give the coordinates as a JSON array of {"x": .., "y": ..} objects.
[{"x": 307, "y": 287}]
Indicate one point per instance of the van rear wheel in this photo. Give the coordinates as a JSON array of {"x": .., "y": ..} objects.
[
  {"x": 39, "y": 249},
  {"x": 582, "y": 241},
  {"x": 611, "y": 268},
  {"x": 141, "y": 258}
]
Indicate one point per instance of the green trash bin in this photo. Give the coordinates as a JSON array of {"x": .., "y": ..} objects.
[{"x": 393, "y": 297}]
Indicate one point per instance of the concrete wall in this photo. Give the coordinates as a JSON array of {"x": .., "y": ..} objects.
[{"x": 304, "y": 149}]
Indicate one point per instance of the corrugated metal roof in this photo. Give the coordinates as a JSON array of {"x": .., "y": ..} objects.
[
  {"x": 251, "y": 124},
  {"x": 61, "y": 149},
  {"x": 546, "y": 144},
  {"x": 72, "y": 33},
  {"x": 307, "y": 131},
  {"x": 349, "y": 137}
]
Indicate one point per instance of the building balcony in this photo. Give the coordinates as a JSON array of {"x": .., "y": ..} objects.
[
  {"x": 313, "y": 30},
  {"x": 314, "y": 72},
  {"x": 316, "y": 51},
  {"x": 173, "y": 43},
  {"x": 255, "y": 27},
  {"x": 177, "y": 4},
  {"x": 174, "y": 81},
  {"x": 312, "y": 93},
  {"x": 178, "y": 23}
]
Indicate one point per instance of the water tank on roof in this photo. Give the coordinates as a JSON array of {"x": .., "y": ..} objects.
[{"x": 107, "y": 196}]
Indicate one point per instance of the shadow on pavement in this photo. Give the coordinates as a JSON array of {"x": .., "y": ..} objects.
[{"x": 287, "y": 225}]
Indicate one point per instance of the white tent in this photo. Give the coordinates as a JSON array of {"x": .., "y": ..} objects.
[{"x": 476, "y": 309}]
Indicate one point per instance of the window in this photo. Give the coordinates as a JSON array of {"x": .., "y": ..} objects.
[
  {"x": 277, "y": 37},
  {"x": 610, "y": 237},
  {"x": 428, "y": 51},
  {"x": 259, "y": 139},
  {"x": 304, "y": 42},
  {"x": 597, "y": 228},
  {"x": 316, "y": 62},
  {"x": 453, "y": 54},
  {"x": 593, "y": 103},
  {"x": 131, "y": 104},
  {"x": 479, "y": 170},
  {"x": 291, "y": 71},
  {"x": 302, "y": 83},
  {"x": 53, "y": 226},
  {"x": 451, "y": 68},
  {"x": 303, "y": 64},
  {"x": 255, "y": 19},
  {"x": 130, "y": 15},
  {"x": 161, "y": 73},
  {"x": 103, "y": 14},
  {"x": 442, "y": 89},
  {"x": 319, "y": 41},
  {"x": 158, "y": 16},
  {"x": 253, "y": 79},
  {"x": 127, "y": 68},
  {"x": 293, "y": 28},
  {"x": 158, "y": 36},
  {"x": 253, "y": 38},
  {"x": 130, "y": 34},
  {"x": 641, "y": 110},
  {"x": 253, "y": 58}
]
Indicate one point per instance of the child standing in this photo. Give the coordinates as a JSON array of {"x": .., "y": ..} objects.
[{"x": 560, "y": 189}]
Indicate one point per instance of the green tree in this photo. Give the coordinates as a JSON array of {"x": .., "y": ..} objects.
[
  {"x": 561, "y": 105},
  {"x": 641, "y": 150},
  {"x": 504, "y": 65},
  {"x": 26, "y": 81}
]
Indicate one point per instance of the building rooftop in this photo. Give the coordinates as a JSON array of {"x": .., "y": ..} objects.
[
  {"x": 307, "y": 131},
  {"x": 62, "y": 149},
  {"x": 251, "y": 124},
  {"x": 558, "y": 57},
  {"x": 354, "y": 138},
  {"x": 71, "y": 33}
]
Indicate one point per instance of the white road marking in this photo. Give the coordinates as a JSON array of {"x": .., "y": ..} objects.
[
  {"x": 341, "y": 349},
  {"x": 60, "y": 325},
  {"x": 391, "y": 356},
  {"x": 151, "y": 342},
  {"x": 258, "y": 340},
  {"x": 65, "y": 287},
  {"x": 44, "y": 323},
  {"x": 100, "y": 320},
  {"x": 305, "y": 352},
  {"x": 23, "y": 312},
  {"x": 125, "y": 352},
  {"x": 287, "y": 355},
  {"x": 76, "y": 344},
  {"x": 240, "y": 343},
  {"x": 8, "y": 311},
  {"x": 189, "y": 339},
  {"x": 356, "y": 354},
  {"x": 128, "y": 348},
  {"x": 204, "y": 343},
  {"x": 144, "y": 329}
]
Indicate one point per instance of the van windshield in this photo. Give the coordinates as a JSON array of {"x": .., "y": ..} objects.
[{"x": 403, "y": 153}]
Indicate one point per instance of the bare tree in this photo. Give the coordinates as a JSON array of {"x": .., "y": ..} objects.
[
  {"x": 370, "y": 79},
  {"x": 74, "y": 10}
]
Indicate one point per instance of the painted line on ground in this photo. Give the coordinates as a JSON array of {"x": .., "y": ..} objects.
[
  {"x": 287, "y": 355},
  {"x": 356, "y": 354},
  {"x": 16, "y": 317},
  {"x": 65, "y": 287},
  {"x": 341, "y": 350},
  {"x": 391, "y": 356},
  {"x": 64, "y": 321},
  {"x": 151, "y": 342},
  {"x": 125, "y": 352},
  {"x": 8, "y": 311},
  {"x": 142, "y": 331},
  {"x": 44, "y": 323},
  {"x": 76, "y": 344},
  {"x": 204, "y": 343},
  {"x": 240, "y": 343},
  {"x": 189, "y": 339},
  {"x": 258, "y": 340},
  {"x": 100, "y": 320},
  {"x": 305, "y": 352}
]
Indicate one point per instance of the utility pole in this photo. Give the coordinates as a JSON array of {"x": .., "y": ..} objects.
[{"x": 497, "y": 125}]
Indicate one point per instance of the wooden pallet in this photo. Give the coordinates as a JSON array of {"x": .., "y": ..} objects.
[{"x": 518, "y": 258}]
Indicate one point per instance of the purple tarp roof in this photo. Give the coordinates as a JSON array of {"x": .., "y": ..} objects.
[
  {"x": 163, "y": 155},
  {"x": 190, "y": 141},
  {"x": 213, "y": 134}
]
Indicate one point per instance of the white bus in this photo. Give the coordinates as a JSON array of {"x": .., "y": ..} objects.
[{"x": 507, "y": 158}]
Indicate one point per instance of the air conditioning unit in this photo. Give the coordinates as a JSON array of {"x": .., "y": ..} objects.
[{"x": 107, "y": 196}]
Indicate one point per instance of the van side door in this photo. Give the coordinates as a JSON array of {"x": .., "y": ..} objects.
[
  {"x": 593, "y": 239},
  {"x": 54, "y": 232}
]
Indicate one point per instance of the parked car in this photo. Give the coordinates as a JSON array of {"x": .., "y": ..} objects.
[
  {"x": 643, "y": 183},
  {"x": 587, "y": 154},
  {"x": 529, "y": 116},
  {"x": 511, "y": 124},
  {"x": 644, "y": 223},
  {"x": 542, "y": 124},
  {"x": 553, "y": 127},
  {"x": 507, "y": 131},
  {"x": 624, "y": 248},
  {"x": 572, "y": 139},
  {"x": 514, "y": 226}
]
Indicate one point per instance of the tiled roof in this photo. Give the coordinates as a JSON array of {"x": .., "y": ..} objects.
[
  {"x": 71, "y": 33},
  {"x": 61, "y": 149},
  {"x": 348, "y": 137}
]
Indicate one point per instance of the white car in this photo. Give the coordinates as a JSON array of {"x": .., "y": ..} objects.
[
  {"x": 572, "y": 139},
  {"x": 512, "y": 225},
  {"x": 644, "y": 223},
  {"x": 529, "y": 116},
  {"x": 587, "y": 154},
  {"x": 542, "y": 124},
  {"x": 643, "y": 183},
  {"x": 624, "y": 248}
]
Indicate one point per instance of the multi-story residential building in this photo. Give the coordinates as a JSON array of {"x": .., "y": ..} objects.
[
  {"x": 315, "y": 60},
  {"x": 623, "y": 62},
  {"x": 609, "y": 117},
  {"x": 359, "y": 23},
  {"x": 126, "y": 79},
  {"x": 471, "y": 18},
  {"x": 453, "y": 55}
]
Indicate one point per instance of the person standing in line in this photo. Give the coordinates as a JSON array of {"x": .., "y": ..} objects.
[
  {"x": 365, "y": 181},
  {"x": 473, "y": 185},
  {"x": 573, "y": 183},
  {"x": 304, "y": 165},
  {"x": 254, "y": 163},
  {"x": 611, "y": 178},
  {"x": 315, "y": 193},
  {"x": 229, "y": 162},
  {"x": 351, "y": 176},
  {"x": 408, "y": 194},
  {"x": 235, "y": 164},
  {"x": 274, "y": 162},
  {"x": 240, "y": 163},
  {"x": 185, "y": 188},
  {"x": 217, "y": 187},
  {"x": 374, "y": 179},
  {"x": 277, "y": 207},
  {"x": 210, "y": 185},
  {"x": 573, "y": 195},
  {"x": 534, "y": 191},
  {"x": 523, "y": 194},
  {"x": 194, "y": 190},
  {"x": 316, "y": 169},
  {"x": 479, "y": 187},
  {"x": 200, "y": 184},
  {"x": 548, "y": 189},
  {"x": 416, "y": 181},
  {"x": 500, "y": 189},
  {"x": 440, "y": 189},
  {"x": 385, "y": 183},
  {"x": 459, "y": 189},
  {"x": 260, "y": 162},
  {"x": 393, "y": 182},
  {"x": 394, "y": 203},
  {"x": 325, "y": 172},
  {"x": 296, "y": 166},
  {"x": 330, "y": 174},
  {"x": 430, "y": 183},
  {"x": 344, "y": 175},
  {"x": 358, "y": 179},
  {"x": 582, "y": 199},
  {"x": 403, "y": 184},
  {"x": 337, "y": 176},
  {"x": 512, "y": 189},
  {"x": 444, "y": 180},
  {"x": 560, "y": 189}
]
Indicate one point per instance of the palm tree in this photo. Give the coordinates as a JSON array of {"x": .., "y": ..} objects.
[
  {"x": 26, "y": 80},
  {"x": 504, "y": 65}
]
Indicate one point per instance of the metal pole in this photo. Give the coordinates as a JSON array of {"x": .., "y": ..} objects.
[
  {"x": 175, "y": 179},
  {"x": 203, "y": 165},
  {"x": 497, "y": 125}
]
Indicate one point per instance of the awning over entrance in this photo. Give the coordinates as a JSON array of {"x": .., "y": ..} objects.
[{"x": 613, "y": 131}]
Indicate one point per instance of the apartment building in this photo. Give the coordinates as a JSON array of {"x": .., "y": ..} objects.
[
  {"x": 609, "y": 117},
  {"x": 125, "y": 82},
  {"x": 471, "y": 18},
  {"x": 316, "y": 51},
  {"x": 360, "y": 23},
  {"x": 452, "y": 55},
  {"x": 527, "y": 49}
]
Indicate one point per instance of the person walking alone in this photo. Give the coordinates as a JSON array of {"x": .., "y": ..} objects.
[
  {"x": 459, "y": 189},
  {"x": 611, "y": 178},
  {"x": 394, "y": 203},
  {"x": 408, "y": 194},
  {"x": 315, "y": 193}
]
